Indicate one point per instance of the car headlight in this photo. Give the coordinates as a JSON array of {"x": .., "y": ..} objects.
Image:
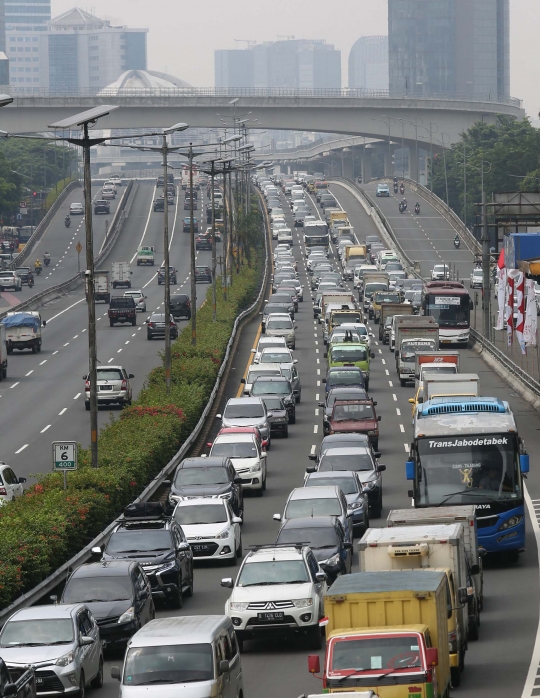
[
  {"x": 66, "y": 659},
  {"x": 355, "y": 505},
  {"x": 369, "y": 485},
  {"x": 224, "y": 534},
  {"x": 512, "y": 521},
  {"x": 372, "y": 432},
  {"x": 163, "y": 567},
  {"x": 303, "y": 603},
  {"x": 227, "y": 495},
  {"x": 238, "y": 605},
  {"x": 128, "y": 616},
  {"x": 254, "y": 468}
]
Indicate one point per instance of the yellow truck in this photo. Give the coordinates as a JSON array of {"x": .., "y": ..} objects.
[
  {"x": 387, "y": 632},
  {"x": 338, "y": 216}
]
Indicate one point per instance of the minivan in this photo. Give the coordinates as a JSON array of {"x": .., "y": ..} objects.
[{"x": 183, "y": 656}]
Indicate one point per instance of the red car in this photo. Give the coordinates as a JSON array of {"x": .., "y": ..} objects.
[
  {"x": 356, "y": 416},
  {"x": 263, "y": 443}
]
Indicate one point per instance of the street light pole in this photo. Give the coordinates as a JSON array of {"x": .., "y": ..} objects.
[
  {"x": 164, "y": 151},
  {"x": 214, "y": 258},
  {"x": 192, "y": 252}
]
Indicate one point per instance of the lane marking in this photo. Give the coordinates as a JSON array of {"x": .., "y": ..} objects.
[
  {"x": 313, "y": 448},
  {"x": 55, "y": 352},
  {"x": 45, "y": 429},
  {"x": 62, "y": 411},
  {"x": 315, "y": 428},
  {"x": 398, "y": 412},
  {"x": 65, "y": 311},
  {"x": 22, "y": 448},
  {"x": 407, "y": 448},
  {"x": 317, "y": 412},
  {"x": 43, "y": 362},
  {"x": 387, "y": 371},
  {"x": 14, "y": 384},
  {"x": 76, "y": 396},
  {"x": 150, "y": 211},
  {"x": 402, "y": 428},
  {"x": 390, "y": 384},
  {"x": 29, "y": 373},
  {"x": 394, "y": 396}
]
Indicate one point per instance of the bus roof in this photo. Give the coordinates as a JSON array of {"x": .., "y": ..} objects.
[
  {"x": 452, "y": 288},
  {"x": 459, "y": 416}
]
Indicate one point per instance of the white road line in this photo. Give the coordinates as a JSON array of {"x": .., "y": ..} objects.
[
  {"x": 109, "y": 361},
  {"x": 75, "y": 337},
  {"x": 43, "y": 362},
  {"x": 84, "y": 330},
  {"x": 318, "y": 384},
  {"x": 65, "y": 311},
  {"x": 62, "y": 411},
  {"x": 318, "y": 361},
  {"x": 398, "y": 412},
  {"x": 55, "y": 352},
  {"x": 535, "y": 660},
  {"x": 384, "y": 361},
  {"x": 66, "y": 344},
  {"x": 402, "y": 428},
  {"x": 380, "y": 351},
  {"x": 313, "y": 448},
  {"x": 133, "y": 335},
  {"x": 394, "y": 396},
  {"x": 22, "y": 448},
  {"x": 315, "y": 428},
  {"x": 76, "y": 396},
  {"x": 45, "y": 429},
  {"x": 29, "y": 373},
  {"x": 407, "y": 448},
  {"x": 387, "y": 371},
  {"x": 317, "y": 412},
  {"x": 14, "y": 384},
  {"x": 147, "y": 222},
  {"x": 316, "y": 351},
  {"x": 316, "y": 396},
  {"x": 127, "y": 342},
  {"x": 318, "y": 371}
]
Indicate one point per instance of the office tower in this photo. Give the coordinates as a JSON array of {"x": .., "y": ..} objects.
[{"x": 368, "y": 63}]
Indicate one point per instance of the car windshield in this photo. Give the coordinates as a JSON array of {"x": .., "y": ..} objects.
[
  {"x": 240, "y": 449},
  {"x": 200, "y": 514},
  {"x": 314, "y": 537},
  {"x": 298, "y": 508},
  {"x": 282, "y": 357},
  {"x": 270, "y": 371},
  {"x": 344, "y": 378},
  {"x": 344, "y": 353},
  {"x": 99, "y": 588},
  {"x": 281, "y": 324},
  {"x": 273, "y": 572},
  {"x": 342, "y": 395},
  {"x": 262, "y": 387},
  {"x": 376, "y": 654},
  {"x": 109, "y": 375},
  {"x": 187, "y": 477},
  {"x": 38, "y": 631},
  {"x": 346, "y": 484},
  {"x": 354, "y": 461},
  {"x": 168, "y": 664},
  {"x": 138, "y": 540},
  {"x": 249, "y": 410},
  {"x": 352, "y": 411},
  {"x": 273, "y": 403}
]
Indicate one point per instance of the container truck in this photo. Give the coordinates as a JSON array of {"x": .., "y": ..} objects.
[
  {"x": 23, "y": 331},
  {"x": 388, "y": 310},
  {"x": 412, "y": 339},
  {"x": 433, "y": 360},
  {"x": 387, "y": 632},
  {"x": 465, "y": 515},
  {"x": 373, "y": 281},
  {"x": 145, "y": 255},
  {"x": 121, "y": 274},
  {"x": 520, "y": 247},
  {"x": 397, "y": 320},
  {"x": 435, "y": 547},
  {"x": 102, "y": 287}
]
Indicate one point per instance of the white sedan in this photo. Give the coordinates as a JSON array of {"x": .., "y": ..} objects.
[
  {"x": 247, "y": 458},
  {"x": 76, "y": 210},
  {"x": 211, "y": 528}
]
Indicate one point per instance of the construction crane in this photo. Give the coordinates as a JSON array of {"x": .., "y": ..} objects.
[{"x": 248, "y": 42}]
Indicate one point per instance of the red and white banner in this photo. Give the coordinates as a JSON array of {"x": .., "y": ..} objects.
[
  {"x": 519, "y": 292},
  {"x": 510, "y": 309},
  {"x": 501, "y": 298},
  {"x": 529, "y": 330}
]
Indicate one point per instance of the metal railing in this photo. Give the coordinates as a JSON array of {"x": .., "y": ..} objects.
[
  {"x": 48, "y": 584},
  {"x": 23, "y": 93}
]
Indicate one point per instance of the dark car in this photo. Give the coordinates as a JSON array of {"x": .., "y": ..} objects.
[
  {"x": 355, "y": 416},
  {"x": 290, "y": 291},
  {"x": 277, "y": 307},
  {"x": 279, "y": 386},
  {"x": 192, "y": 193},
  {"x": 180, "y": 306},
  {"x": 344, "y": 376},
  {"x": 119, "y": 595},
  {"x": 214, "y": 476},
  {"x": 326, "y": 538},
  {"x": 187, "y": 204},
  {"x": 102, "y": 207},
  {"x": 159, "y": 544},
  {"x": 278, "y": 417},
  {"x": 203, "y": 275},
  {"x": 156, "y": 326},
  {"x": 347, "y": 456},
  {"x": 350, "y": 483},
  {"x": 161, "y": 275},
  {"x": 24, "y": 273},
  {"x": 327, "y": 200},
  {"x": 203, "y": 242},
  {"x": 186, "y": 225},
  {"x": 159, "y": 204},
  {"x": 339, "y": 393}
]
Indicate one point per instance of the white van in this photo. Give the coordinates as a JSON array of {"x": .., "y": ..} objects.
[
  {"x": 285, "y": 235},
  {"x": 193, "y": 655}
]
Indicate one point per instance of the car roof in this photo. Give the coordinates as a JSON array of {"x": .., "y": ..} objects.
[
  {"x": 332, "y": 474},
  {"x": 244, "y": 401},
  {"x": 270, "y": 554},
  {"x": 61, "y": 610},
  {"x": 200, "y": 501},
  {"x": 310, "y": 521},
  {"x": 344, "y": 437},
  {"x": 314, "y": 492},
  {"x": 273, "y": 379},
  {"x": 180, "y": 630},
  {"x": 210, "y": 462},
  {"x": 347, "y": 450},
  {"x": 235, "y": 437},
  {"x": 111, "y": 568}
]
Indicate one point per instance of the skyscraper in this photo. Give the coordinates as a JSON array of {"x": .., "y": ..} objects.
[
  {"x": 449, "y": 47},
  {"x": 26, "y": 14},
  {"x": 4, "y": 61},
  {"x": 368, "y": 63}
]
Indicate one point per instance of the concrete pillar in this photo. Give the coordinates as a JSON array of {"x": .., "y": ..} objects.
[
  {"x": 347, "y": 167},
  {"x": 366, "y": 164},
  {"x": 413, "y": 164},
  {"x": 288, "y": 169},
  {"x": 388, "y": 163}
]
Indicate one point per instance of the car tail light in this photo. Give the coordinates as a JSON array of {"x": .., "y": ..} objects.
[
  {"x": 188, "y": 303},
  {"x": 87, "y": 385},
  {"x": 3, "y": 490},
  {"x": 124, "y": 385},
  {"x": 172, "y": 323},
  {"x": 150, "y": 324}
]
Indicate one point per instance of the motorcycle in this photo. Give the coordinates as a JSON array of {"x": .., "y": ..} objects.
[
  {"x": 401, "y": 208},
  {"x": 30, "y": 281},
  {"x": 395, "y": 188},
  {"x": 37, "y": 270},
  {"x": 402, "y": 189},
  {"x": 457, "y": 243},
  {"x": 46, "y": 261},
  {"x": 417, "y": 209},
  {"x": 67, "y": 221}
]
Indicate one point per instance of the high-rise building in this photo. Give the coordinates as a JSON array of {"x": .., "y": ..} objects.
[
  {"x": 449, "y": 47},
  {"x": 27, "y": 14},
  {"x": 26, "y": 42},
  {"x": 4, "y": 61},
  {"x": 294, "y": 64},
  {"x": 368, "y": 63}
]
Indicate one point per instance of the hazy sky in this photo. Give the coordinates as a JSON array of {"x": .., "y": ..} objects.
[{"x": 183, "y": 34}]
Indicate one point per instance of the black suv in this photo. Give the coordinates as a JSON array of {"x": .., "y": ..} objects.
[
  {"x": 119, "y": 595},
  {"x": 102, "y": 207},
  {"x": 207, "y": 477},
  {"x": 159, "y": 544},
  {"x": 161, "y": 275},
  {"x": 180, "y": 306},
  {"x": 159, "y": 204},
  {"x": 279, "y": 386}
]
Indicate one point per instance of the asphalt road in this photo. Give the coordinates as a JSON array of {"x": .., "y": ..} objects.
[
  {"x": 42, "y": 399},
  {"x": 496, "y": 666}
]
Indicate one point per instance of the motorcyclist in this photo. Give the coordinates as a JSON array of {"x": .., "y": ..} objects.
[
  {"x": 46, "y": 258},
  {"x": 417, "y": 208},
  {"x": 402, "y": 188},
  {"x": 457, "y": 240},
  {"x": 67, "y": 221},
  {"x": 37, "y": 264}
]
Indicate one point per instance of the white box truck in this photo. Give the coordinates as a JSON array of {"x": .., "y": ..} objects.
[
  {"x": 412, "y": 339},
  {"x": 121, "y": 274},
  {"x": 23, "y": 331},
  {"x": 435, "y": 361},
  {"x": 102, "y": 287}
]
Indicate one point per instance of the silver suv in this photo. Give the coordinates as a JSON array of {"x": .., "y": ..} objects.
[
  {"x": 62, "y": 642},
  {"x": 246, "y": 412},
  {"x": 9, "y": 279},
  {"x": 113, "y": 386}
]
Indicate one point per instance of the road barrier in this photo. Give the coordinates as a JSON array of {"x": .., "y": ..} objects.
[{"x": 50, "y": 583}]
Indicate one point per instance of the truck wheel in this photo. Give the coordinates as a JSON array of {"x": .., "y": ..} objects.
[
  {"x": 455, "y": 676},
  {"x": 34, "y": 349},
  {"x": 473, "y": 629},
  {"x": 111, "y": 323},
  {"x": 314, "y": 638},
  {"x": 134, "y": 322},
  {"x": 39, "y": 347},
  {"x": 87, "y": 406},
  {"x": 403, "y": 382}
]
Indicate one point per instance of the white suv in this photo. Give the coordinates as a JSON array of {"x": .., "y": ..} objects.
[
  {"x": 247, "y": 458},
  {"x": 211, "y": 528},
  {"x": 278, "y": 588},
  {"x": 440, "y": 272}
]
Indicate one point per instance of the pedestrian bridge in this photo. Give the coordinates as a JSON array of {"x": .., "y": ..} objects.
[{"x": 354, "y": 112}]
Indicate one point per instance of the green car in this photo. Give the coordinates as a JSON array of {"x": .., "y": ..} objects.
[{"x": 350, "y": 354}]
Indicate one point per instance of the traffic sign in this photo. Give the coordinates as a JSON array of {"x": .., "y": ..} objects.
[
  {"x": 22, "y": 204},
  {"x": 64, "y": 455},
  {"x": 78, "y": 247}
]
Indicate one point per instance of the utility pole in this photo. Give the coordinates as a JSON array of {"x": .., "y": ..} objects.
[
  {"x": 192, "y": 251},
  {"x": 164, "y": 152},
  {"x": 485, "y": 264},
  {"x": 214, "y": 260}
]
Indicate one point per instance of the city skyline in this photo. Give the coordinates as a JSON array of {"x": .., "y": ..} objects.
[{"x": 220, "y": 28}]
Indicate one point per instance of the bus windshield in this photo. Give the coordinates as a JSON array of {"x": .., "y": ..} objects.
[
  {"x": 448, "y": 311},
  {"x": 468, "y": 469}
]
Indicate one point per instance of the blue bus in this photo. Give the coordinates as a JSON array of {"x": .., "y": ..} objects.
[{"x": 467, "y": 450}]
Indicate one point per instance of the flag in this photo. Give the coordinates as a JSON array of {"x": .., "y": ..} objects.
[
  {"x": 500, "y": 261},
  {"x": 519, "y": 286},
  {"x": 501, "y": 298},
  {"x": 324, "y": 622},
  {"x": 529, "y": 330},
  {"x": 510, "y": 309}
]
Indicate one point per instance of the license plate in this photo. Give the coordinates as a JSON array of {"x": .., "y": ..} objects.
[
  {"x": 200, "y": 548},
  {"x": 39, "y": 679},
  {"x": 105, "y": 387},
  {"x": 277, "y": 615},
  {"x": 446, "y": 341}
]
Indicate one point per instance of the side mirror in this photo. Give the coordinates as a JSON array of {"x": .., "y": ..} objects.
[
  {"x": 54, "y": 599},
  {"x": 320, "y": 577},
  {"x": 209, "y": 444},
  {"x": 10, "y": 689},
  {"x": 22, "y": 480},
  {"x": 218, "y": 416},
  {"x": 409, "y": 470},
  {"x": 167, "y": 483},
  {"x": 377, "y": 454},
  {"x": 96, "y": 551},
  {"x": 253, "y": 351},
  {"x": 379, "y": 418},
  {"x": 323, "y": 380},
  {"x": 131, "y": 375},
  {"x": 314, "y": 664},
  {"x": 184, "y": 547},
  {"x": 86, "y": 640},
  {"x": 115, "y": 673},
  {"x": 475, "y": 569},
  {"x": 381, "y": 468},
  {"x": 295, "y": 361},
  {"x": 227, "y": 582},
  {"x": 374, "y": 403},
  {"x": 224, "y": 667},
  {"x": 411, "y": 400},
  {"x": 236, "y": 520},
  {"x": 85, "y": 377},
  {"x": 463, "y": 595},
  {"x": 264, "y": 454},
  {"x": 311, "y": 469},
  {"x": 432, "y": 656},
  {"x": 277, "y": 517},
  {"x": 237, "y": 480},
  {"x": 242, "y": 380},
  {"x": 524, "y": 463},
  {"x": 348, "y": 546},
  {"x": 44, "y": 323},
  {"x": 372, "y": 355}
]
